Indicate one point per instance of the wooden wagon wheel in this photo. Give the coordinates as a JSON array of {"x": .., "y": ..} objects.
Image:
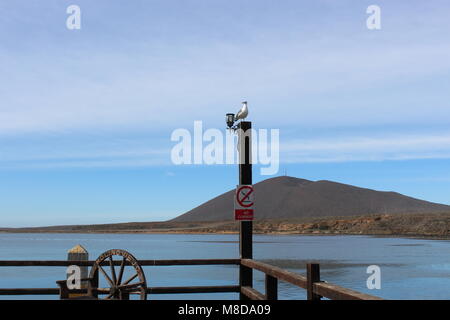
[{"x": 118, "y": 287}]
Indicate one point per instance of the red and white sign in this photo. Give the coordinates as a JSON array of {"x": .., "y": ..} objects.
[{"x": 244, "y": 202}]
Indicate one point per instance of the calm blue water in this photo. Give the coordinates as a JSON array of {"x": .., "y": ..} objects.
[{"x": 410, "y": 268}]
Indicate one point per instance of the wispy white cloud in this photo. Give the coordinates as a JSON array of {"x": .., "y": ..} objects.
[
  {"x": 83, "y": 151},
  {"x": 101, "y": 163},
  {"x": 379, "y": 148},
  {"x": 344, "y": 148},
  {"x": 160, "y": 82}
]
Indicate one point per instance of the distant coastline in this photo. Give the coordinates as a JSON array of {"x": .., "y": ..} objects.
[{"x": 432, "y": 226}]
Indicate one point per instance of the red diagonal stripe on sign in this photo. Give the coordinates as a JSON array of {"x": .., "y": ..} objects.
[{"x": 245, "y": 197}]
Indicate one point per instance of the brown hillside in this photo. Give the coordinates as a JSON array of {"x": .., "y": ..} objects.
[{"x": 290, "y": 198}]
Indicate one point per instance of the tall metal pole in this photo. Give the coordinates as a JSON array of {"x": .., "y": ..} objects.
[{"x": 246, "y": 227}]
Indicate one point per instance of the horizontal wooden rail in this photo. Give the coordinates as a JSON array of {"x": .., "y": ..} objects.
[
  {"x": 276, "y": 272},
  {"x": 151, "y": 290},
  {"x": 197, "y": 289},
  {"x": 66, "y": 263},
  {"x": 252, "y": 294},
  {"x": 30, "y": 291},
  {"x": 334, "y": 292}
]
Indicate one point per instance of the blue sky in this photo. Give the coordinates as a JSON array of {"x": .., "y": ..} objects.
[{"x": 86, "y": 115}]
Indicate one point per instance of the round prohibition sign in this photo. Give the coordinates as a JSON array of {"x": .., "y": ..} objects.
[{"x": 245, "y": 191}]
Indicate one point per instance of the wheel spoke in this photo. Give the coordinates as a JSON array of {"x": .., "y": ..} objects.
[
  {"x": 131, "y": 285},
  {"x": 113, "y": 271},
  {"x": 106, "y": 276},
  {"x": 129, "y": 280},
  {"x": 122, "y": 269},
  {"x": 109, "y": 296}
]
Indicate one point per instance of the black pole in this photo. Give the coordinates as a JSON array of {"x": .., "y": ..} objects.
[{"x": 246, "y": 227}]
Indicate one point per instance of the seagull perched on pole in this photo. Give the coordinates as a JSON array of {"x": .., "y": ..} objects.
[{"x": 243, "y": 113}]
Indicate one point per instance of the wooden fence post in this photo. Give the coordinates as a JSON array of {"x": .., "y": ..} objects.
[
  {"x": 94, "y": 284},
  {"x": 271, "y": 288},
  {"x": 313, "y": 275},
  {"x": 63, "y": 289},
  {"x": 78, "y": 253}
]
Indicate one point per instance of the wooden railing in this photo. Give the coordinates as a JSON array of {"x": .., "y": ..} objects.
[
  {"x": 316, "y": 289},
  {"x": 150, "y": 290}
]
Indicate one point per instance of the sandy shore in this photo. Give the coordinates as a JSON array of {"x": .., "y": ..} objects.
[{"x": 432, "y": 226}]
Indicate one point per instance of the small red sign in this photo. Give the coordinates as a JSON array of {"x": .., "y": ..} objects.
[{"x": 243, "y": 214}]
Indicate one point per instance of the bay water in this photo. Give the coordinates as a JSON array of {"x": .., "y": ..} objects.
[{"x": 410, "y": 268}]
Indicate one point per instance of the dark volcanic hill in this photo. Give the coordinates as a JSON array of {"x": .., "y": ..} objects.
[{"x": 288, "y": 198}]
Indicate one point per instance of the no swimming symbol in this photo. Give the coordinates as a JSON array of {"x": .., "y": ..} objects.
[
  {"x": 244, "y": 201},
  {"x": 244, "y": 196}
]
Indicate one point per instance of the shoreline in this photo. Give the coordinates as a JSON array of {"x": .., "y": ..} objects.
[
  {"x": 420, "y": 226},
  {"x": 405, "y": 236}
]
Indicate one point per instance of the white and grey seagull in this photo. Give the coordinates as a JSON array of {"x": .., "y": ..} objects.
[{"x": 243, "y": 113}]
